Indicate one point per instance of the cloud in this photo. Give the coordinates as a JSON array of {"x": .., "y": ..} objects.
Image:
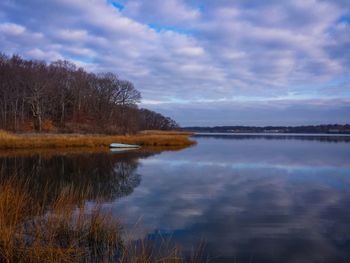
[
  {"x": 12, "y": 29},
  {"x": 170, "y": 12},
  {"x": 192, "y": 50},
  {"x": 43, "y": 55}
]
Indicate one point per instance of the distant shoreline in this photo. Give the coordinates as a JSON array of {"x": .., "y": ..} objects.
[
  {"x": 306, "y": 129},
  {"x": 273, "y": 134}
]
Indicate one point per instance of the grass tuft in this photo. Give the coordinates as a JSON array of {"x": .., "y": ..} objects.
[{"x": 4, "y": 135}]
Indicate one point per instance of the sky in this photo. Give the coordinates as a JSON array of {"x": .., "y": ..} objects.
[{"x": 203, "y": 63}]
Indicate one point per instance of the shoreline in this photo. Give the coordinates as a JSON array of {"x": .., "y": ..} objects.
[{"x": 12, "y": 141}]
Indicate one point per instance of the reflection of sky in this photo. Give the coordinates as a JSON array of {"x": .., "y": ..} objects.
[
  {"x": 289, "y": 168},
  {"x": 282, "y": 201}
]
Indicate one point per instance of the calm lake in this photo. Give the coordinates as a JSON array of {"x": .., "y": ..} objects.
[{"x": 248, "y": 198}]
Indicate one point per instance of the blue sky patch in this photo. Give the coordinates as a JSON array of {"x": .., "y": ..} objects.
[
  {"x": 117, "y": 5},
  {"x": 160, "y": 28},
  {"x": 344, "y": 19}
]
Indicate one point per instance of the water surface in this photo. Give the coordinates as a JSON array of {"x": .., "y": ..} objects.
[{"x": 251, "y": 198}]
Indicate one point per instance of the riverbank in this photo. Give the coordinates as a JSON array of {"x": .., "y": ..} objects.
[{"x": 45, "y": 141}]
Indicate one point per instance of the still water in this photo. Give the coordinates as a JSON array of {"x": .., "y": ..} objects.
[{"x": 247, "y": 198}]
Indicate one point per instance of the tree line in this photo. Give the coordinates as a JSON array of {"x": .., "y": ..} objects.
[{"x": 59, "y": 96}]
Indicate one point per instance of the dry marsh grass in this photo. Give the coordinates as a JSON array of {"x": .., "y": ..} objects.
[
  {"x": 4, "y": 135},
  {"x": 69, "y": 231},
  {"x": 30, "y": 141}
]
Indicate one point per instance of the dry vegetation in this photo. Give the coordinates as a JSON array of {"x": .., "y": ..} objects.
[
  {"x": 67, "y": 231},
  {"x": 149, "y": 139}
]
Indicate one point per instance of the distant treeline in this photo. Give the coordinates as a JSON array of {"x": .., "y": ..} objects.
[
  {"x": 330, "y": 128},
  {"x": 36, "y": 96}
]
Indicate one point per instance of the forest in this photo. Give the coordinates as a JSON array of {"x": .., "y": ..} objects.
[{"x": 36, "y": 96}]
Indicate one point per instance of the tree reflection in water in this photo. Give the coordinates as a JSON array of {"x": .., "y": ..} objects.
[{"x": 107, "y": 176}]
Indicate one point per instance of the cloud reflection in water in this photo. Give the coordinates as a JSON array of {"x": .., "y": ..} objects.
[{"x": 260, "y": 200}]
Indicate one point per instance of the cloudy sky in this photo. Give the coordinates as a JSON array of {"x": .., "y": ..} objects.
[{"x": 206, "y": 62}]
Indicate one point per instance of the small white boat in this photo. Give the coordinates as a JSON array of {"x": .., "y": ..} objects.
[{"x": 122, "y": 145}]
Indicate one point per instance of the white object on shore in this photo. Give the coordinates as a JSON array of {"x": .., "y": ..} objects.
[{"x": 122, "y": 145}]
